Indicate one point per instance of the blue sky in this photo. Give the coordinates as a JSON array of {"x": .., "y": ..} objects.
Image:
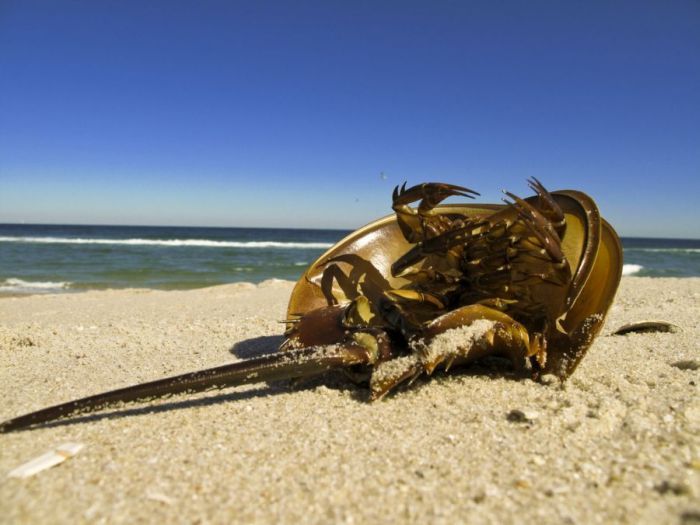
[{"x": 307, "y": 114}]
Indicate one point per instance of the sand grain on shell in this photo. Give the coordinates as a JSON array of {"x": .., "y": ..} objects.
[
  {"x": 455, "y": 342},
  {"x": 618, "y": 444}
]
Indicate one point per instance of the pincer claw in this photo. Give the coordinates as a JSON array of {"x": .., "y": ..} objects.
[{"x": 430, "y": 193}]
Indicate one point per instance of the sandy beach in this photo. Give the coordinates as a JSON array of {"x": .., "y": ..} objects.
[{"x": 620, "y": 443}]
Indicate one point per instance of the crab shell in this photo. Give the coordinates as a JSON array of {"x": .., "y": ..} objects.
[{"x": 589, "y": 243}]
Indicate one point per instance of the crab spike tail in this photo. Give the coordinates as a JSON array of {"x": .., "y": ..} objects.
[{"x": 301, "y": 362}]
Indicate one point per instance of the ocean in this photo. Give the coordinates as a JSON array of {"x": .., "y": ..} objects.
[{"x": 64, "y": 258}]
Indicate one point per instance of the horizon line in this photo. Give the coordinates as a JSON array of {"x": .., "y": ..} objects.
[
  {"x": 116, "y": 225},
  {"x": 263, "y": 228}
]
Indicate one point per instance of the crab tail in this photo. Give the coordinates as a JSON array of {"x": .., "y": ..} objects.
[{"x": 300, "y": 362}]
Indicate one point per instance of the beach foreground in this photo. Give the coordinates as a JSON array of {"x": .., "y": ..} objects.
[{"x": 619, "y": 443}]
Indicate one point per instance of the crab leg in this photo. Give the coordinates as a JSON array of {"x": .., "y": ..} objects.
[
  {"x": 539, "y": 226},
  {"x": 461, "y": 336},
  {"x": 301, "y": 362},
  {"x": 417, "y": 224},
  {"x": 548, "y": 206}
]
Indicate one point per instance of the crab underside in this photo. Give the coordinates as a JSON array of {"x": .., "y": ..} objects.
[{"x": 433, "y": 285}]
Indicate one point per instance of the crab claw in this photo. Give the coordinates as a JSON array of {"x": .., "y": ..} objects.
[
  {"x": 422, "y": 222},
  {"x": 430, "y": 193}
]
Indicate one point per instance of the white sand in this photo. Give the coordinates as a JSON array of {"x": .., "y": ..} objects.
[{"x": 621, "y": 442}]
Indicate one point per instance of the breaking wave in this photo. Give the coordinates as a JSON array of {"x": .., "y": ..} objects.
[
  {"x": 631, "y": 269},
  {"x": 664, "y": 250},
  {"x": 205, "y": 243},
  {"x": 14, "y": 285}
]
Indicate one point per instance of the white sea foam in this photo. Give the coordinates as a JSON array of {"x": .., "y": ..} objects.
[
  {"x": 631, "y": 269},
  {"x": 664, "y": 250},
  {"x": 169, "y": 242},
  {"x": 13, "y": 285}
]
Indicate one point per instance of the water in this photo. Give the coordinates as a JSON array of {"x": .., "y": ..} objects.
[
  {"x": 661, "y": 257},
  {"x": 52, "y": 258}
]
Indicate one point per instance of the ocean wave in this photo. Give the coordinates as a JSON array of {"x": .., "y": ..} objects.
[
  {"x": 664, "y": 250},
  {"x": 631, "y": 269},
  {"x": 14, "y": 285},
  {"x": 205, "y": 243}
]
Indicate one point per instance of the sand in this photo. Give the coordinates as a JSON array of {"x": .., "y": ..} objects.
[{"x": 619, "y": 443}]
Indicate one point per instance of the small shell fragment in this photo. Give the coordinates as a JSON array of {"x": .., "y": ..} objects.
[
  {"x": 522, "y": 416},
  {"x": 647, "y": 327},
  {"x": 687, "y": 364},
  {"x": 159, "y": 496},
  {"x": 46, "y": 461}
]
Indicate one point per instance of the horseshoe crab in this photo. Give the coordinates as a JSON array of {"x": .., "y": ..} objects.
[{"x": 431, "y": 286}]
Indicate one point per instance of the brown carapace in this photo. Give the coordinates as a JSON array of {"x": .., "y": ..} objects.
[{"x": 433, "y": 285}]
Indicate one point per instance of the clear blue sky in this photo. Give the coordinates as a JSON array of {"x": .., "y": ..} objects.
[{"x": 308, "y": 113}]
